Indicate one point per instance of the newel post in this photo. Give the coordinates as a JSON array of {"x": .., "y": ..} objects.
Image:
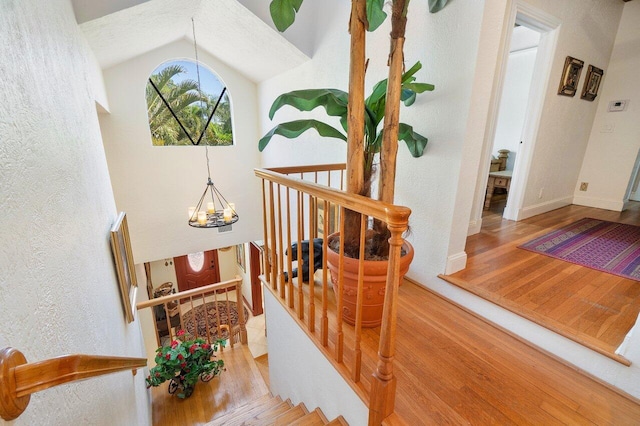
[{"x": 383, "y": 390}]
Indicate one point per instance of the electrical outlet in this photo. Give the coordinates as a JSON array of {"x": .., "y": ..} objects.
[{"x": 584, "y": 186}]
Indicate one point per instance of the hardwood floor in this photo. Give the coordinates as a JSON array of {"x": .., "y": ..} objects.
[
  {"x": 590, "y": 307},
  {"x": 240, "y": 384},
  {"x": 451, "y": 367}
]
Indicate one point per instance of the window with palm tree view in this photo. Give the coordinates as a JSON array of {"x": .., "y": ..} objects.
[{"x": 192, "y": 93}]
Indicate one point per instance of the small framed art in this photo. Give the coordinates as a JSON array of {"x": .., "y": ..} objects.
[
  {"x": 592, "y": 83},
  {"x": 570, "y": 76}
]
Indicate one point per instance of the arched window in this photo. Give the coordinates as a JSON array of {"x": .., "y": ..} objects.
[{"x": 192, "y": 98}]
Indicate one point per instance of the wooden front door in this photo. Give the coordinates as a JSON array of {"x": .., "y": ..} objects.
[{"x": 197, "y": 270}]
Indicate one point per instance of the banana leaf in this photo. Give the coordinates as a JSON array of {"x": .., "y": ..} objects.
[
  {"x": 333, "y": 101},
  {"x": 293, "y": 129}
]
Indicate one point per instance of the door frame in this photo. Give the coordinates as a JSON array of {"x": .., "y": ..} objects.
[{"x": 549, "y": 27}]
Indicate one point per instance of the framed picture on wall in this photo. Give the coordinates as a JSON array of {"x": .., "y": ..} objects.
[
  {"x": 240, "y": 257},
  {"x": 570, "y": 76},
  {"x": 125, "y": 270},
  {"x": 591, "y": 83}
]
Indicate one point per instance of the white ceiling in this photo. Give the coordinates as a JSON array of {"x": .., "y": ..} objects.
[{"x": 224, "y": 28}]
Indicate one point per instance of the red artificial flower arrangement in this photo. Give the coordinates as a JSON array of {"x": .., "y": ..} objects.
[{"x": 184, "y": 362}]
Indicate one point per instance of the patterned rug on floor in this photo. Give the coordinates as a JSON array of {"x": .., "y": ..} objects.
[
  {"x": 213, "y": 314},
  {"x": 606, "y": 246}
]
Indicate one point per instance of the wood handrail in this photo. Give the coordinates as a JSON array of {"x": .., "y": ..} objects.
[
  {"x": 308, "y": 169},
  {"x": 19, "y": 379},
  {"x": 193, "y": 292},
  {"x": 389, "y": 213}
]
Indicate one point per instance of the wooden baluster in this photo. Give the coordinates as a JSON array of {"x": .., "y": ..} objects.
[
  {"x": 218, "y": 321},
  {"x": 241, "y": 319},
  {"x": 280, "y": 248},
  {"x": 340, "y": 294},
  {"x": 357, "y": 368},
  {"x": 324, "y": 326},
  {"x": 383, "y": 390},
  {"x": 228, "y": 323},
  {"x": 167, "y": 319},
  {"x": 289, "y": 261},
  {"x": 265, "y": 258},
  {"x": 195, "y": 318},
  {"x": 206, "y": 315},
  {"x": 312, "y": 298},
  {"x": 300, "y": 238},
  {"x": 272, "y": 227}
]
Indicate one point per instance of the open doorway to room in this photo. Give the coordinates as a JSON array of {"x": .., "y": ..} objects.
[{"x": 514, "y": 102}]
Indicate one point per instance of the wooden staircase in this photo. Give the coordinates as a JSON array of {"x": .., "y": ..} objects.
[{"x": 270, "y": 410}]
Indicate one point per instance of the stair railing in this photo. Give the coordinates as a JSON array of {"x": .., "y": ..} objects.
[
  {"x": 188, "y": 310},
  {"x": 19, "y": 379},
  {"x": 298, "y": 209}
]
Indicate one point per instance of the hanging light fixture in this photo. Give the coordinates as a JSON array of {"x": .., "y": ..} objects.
[{"x": 218, "y": 211}]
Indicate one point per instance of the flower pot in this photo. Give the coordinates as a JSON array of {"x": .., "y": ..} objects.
[{"x": 375, "y": 281}]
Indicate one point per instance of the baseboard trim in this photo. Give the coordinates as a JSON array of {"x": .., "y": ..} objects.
[
  {"x": 474, "y": 227},
  {"x": 600, "y": 203},
  {"x": 456, "y": 262},
  {"x": 527, "y": 212}
]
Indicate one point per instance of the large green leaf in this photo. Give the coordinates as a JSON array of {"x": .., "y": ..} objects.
[
  {"x": 415, "y": 141},
  {"x": 283, "y": 12},
  {"x": 436, "y": 5},
  {"x": 293, "y": 129},
  {"x": 375, "y": 14},
  {"x": 334, "y": 101}
]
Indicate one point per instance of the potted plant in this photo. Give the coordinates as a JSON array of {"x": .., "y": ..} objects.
[
  {"x": 183, "y": 362},
  {"x": 361, "y": 117}
]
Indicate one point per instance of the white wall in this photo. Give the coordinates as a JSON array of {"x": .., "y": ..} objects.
[
  {"x": 58, "y": 289},
  {"x": 156, "y": 185},
  {"x": 161, "y": 273},
  {"x": 300, "y": 372},
  {"x": 515, "y": 93},
  {"x": 610, "y": 156}
]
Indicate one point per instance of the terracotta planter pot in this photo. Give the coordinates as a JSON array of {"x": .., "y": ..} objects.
[{"x": 375, "y": 280}]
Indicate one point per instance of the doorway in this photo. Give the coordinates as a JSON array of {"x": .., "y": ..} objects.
[
  {"x": 511, "y": 116},
  {"x": 197, "y": 269},
  {"x": 547, "y": 27}
]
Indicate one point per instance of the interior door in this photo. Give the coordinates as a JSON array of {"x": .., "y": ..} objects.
[
  {"x": 197, "y": 269},
  {"x": 256, "y": 286}
]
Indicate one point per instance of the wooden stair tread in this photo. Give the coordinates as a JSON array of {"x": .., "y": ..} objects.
[
  {"x": 293, "y": 414},
  {"x": 338, "y": 421},
  {"x": 263, "y": 417},
  {"x": 251, "y": 409},
  {"x": 313, "y": 418}
]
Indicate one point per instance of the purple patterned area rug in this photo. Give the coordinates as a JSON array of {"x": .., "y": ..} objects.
[{"x": 606, "y": 246}]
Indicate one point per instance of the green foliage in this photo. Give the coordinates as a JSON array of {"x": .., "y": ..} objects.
[
  {"x": 283, "y": 12},
  {"x": 186, "y": 361},
  {"x": 335, "y": 104},
  {"x": 193, "y": 112}
]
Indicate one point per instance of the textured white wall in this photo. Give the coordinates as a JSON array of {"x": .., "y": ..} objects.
[
  {"x": 156, "y": 185},
  {"x": 587, "y": 33},
  {"x": 426, "y": 185},
  {"x": 58, "y": 289},
  {"x": 300, "y": 372},
  {"x": 610, "y": 157}
]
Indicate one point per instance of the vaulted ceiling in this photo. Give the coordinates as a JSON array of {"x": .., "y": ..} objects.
[{"x": 119, "y": 30}]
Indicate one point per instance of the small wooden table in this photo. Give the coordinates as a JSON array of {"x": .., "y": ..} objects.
[{"x": 497, "y": 180}]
